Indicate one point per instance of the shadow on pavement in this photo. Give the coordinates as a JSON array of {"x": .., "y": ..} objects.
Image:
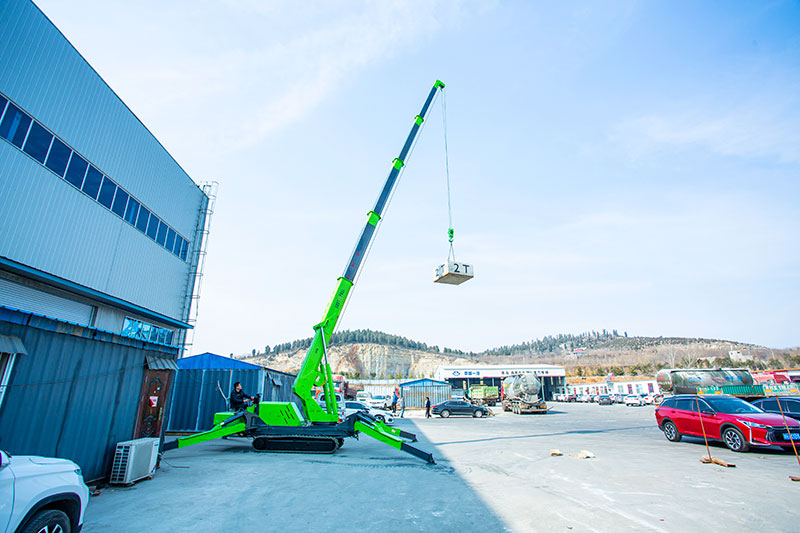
[{"x": 224, "y": 485}]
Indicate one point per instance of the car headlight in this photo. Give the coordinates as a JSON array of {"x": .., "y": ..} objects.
[{"x": 752, "y": 424}]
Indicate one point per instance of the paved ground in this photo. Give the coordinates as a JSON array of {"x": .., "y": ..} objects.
[{"x": 492, "y": 474}]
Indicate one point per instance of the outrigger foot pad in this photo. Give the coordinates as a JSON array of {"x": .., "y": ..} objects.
[{"x": 422, "y": 454}]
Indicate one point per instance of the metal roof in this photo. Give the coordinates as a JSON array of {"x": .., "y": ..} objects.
[
  {"x": 209, "y": 361},
  {"x": 424, "y": 380},
  {"x": 10, "y": 344},
  {"x": 155, "y": 362}
]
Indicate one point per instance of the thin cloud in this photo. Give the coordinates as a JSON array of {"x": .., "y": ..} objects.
[{"x": 752, "y": 130}]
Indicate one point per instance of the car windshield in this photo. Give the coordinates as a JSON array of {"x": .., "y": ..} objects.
[
  {"x": 732, "y": 405},
  {"x": 379, "y": 397}
]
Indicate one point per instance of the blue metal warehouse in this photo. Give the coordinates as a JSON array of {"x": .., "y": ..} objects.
[
  {"x": 101, "y": 232},
  {"x": 202, "y": 380},
  {"x": 415, "y": 392}
]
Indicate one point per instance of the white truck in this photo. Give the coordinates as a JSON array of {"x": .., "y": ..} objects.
[{"x": 41, "y": 494}]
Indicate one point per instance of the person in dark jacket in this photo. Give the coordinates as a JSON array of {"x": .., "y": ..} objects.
[
  {"x": 239, "y": 400},
  {"x": 427, "y": 407}
]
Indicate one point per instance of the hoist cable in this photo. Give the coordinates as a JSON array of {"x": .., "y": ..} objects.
[{"x": 450, "y": 231}]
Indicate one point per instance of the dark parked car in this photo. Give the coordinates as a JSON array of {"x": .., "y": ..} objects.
[
  {"x": 459, "y": 407},
  {"x": 790, "y": 406},
  {"x": 605, "y": 399},
  {"x": 734, "y": 421}
]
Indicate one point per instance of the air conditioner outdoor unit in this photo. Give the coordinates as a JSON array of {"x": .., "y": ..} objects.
[{"x": 134, "y": 460}]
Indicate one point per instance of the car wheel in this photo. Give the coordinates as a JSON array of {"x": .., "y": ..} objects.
[
  {"x": 380, "y": 418},
  {"x": 671, "y": 431},
  {"x": 734, "y": 439},
  {"x": 477, "y": 413},
  {"x": 445, "y": 413},
  {"x": 50, "y": 521}
]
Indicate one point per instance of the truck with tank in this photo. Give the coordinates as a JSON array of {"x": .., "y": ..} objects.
[{"x": 522, "y": 394}]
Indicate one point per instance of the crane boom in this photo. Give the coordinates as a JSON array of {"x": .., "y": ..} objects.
[
  {"x": 280, "y": 426},
  {"x": 315, "y": 371}
]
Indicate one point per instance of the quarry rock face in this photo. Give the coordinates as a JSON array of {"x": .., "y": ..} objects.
[{"x": 370, "y": 360}]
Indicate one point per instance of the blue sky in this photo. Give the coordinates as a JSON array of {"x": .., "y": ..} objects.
[{"x": 629, "y": 165}]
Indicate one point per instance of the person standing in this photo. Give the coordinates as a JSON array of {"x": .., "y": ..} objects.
[
  {"x": 402, "y": 403},
  {"x": 394, "y": 403},
  {"x": 427, "y": 407}
]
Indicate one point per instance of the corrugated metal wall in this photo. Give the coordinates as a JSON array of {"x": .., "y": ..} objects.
[
  {"x": 414, "y": 395},
  {"x": 49, "y": 225},
  {"x": 196, "y": 397},
  {"x": 70, "y": 397},
  {"x": 21, "y": 296}
]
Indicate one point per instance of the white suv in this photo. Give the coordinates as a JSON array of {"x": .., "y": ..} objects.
[{"x": 46, "y": 495}]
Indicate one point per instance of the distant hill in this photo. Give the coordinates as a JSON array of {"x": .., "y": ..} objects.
[{"x": 367, "y": 353}]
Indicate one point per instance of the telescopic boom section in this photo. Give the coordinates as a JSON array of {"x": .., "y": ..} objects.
[{"x": 316, "y": 372}]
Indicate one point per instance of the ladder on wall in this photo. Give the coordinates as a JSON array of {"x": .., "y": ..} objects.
[{"x": 199, "y": 251}]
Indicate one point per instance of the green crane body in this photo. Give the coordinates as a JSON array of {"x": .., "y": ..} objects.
[{"x": 281, "y": 426}]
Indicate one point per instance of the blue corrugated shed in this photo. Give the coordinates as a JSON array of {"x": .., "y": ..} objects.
[
  {"x": 210, "y": 361},
  {"x": 415, "y": 392},
  {"x": 203, "y": 382},
  {"x": 424, "y": 380}
]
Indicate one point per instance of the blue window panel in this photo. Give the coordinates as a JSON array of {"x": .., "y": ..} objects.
[
  {"x": 38, "y": 142},
  {"x": 161, "y": 236},
  {"x": 152, "y": 227},
  {"x": 15, "y": 125},
  {"x": 58, "y": 158},
  {"x": 141, "y": 222},
  {"x": 177, "y": 248},
  {"x": 91, "y": 185},
  {"x": 107, "y": 190},
  {"x": 154, "y": 333},
  {"x": 184, "y": 250},
  {"x": 120, "y": 202},
  {"x": 132, "y": 211},
  {"x": 3, "y": 102},
  {"x": 170, "y": 244},
  {"x": 76, "y": 170}
]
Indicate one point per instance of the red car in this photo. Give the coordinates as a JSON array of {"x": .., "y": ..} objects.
[{"x": 734, "y": 421}]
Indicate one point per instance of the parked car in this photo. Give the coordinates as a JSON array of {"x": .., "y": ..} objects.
[
  {"x": 790, "y": 406},
  {"x": 737, "y": 423},
  {"x": 379, "y": 401},
  {"x": 619, "y": 398},
  {"x": 363, "y": 396},
  {"x": 459, "y": 407},
  {"x": 380, "y": 414},
  {"x": 634, "y": 399},
  {"x": 572, "y": 397},
  {"x": 339, "y": 403},
  {"x": 41, "y": 494},
  {"x": 605, "y": 399}
]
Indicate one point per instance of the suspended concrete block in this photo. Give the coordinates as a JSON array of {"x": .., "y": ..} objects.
[{"x": 453, "y": 273}]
